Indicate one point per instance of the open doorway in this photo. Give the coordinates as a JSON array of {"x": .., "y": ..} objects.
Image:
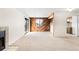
[{"x": 39, "y": 24}]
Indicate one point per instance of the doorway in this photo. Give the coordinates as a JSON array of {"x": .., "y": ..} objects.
[{"x": 39, "y": 24}]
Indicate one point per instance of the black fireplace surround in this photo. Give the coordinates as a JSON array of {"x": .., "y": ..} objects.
[{"x": 2, "y": 40}]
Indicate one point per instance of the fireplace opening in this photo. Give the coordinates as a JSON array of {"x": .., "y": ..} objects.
[{"x": 2, "y": 40}]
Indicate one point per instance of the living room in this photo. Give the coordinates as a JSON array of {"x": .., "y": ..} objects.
[{"x": 12, "y": 20}]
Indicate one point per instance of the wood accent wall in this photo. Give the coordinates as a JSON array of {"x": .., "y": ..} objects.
[
  {"x": 43, "y": 28},
  {"x": 33, "y": 27}
]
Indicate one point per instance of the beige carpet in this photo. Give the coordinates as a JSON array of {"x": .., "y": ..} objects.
[{"x": 44, "y": 41}]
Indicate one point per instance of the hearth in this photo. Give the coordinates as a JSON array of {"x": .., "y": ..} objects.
[{"x": 2, "y": 40}]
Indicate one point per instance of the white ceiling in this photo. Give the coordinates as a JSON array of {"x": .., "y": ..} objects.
[{"x": 38, "y": 12}]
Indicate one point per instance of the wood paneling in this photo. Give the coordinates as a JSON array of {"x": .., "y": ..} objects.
[{"x": 45, "y": 26}]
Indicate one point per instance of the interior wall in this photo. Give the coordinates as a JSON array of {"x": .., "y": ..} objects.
[
  {"x": 40, "y": 24},
  {"x": 15, "y": 21},
  {"x": 59, "y": 23},
  {"x": 74, "y": 25},
  {"x": 78, "y": 25},
  {"x": 77, "y": 14},
  {"x": 51, "y": 27}
]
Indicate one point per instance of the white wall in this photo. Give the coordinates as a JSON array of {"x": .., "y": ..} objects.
[
  {"x": 15, "y": 21},
  {"x": 74, "y": 25},
  {"x": 51, "y": 27},
  {"x": 78, "y": 25},
  {"x": 60, "y": 23}
]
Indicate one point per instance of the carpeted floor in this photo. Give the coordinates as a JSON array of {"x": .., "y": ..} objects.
[{"x": 44, "y": 41}]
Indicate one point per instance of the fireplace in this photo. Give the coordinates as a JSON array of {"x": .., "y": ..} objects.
[{"x": 2, "y": 40}]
